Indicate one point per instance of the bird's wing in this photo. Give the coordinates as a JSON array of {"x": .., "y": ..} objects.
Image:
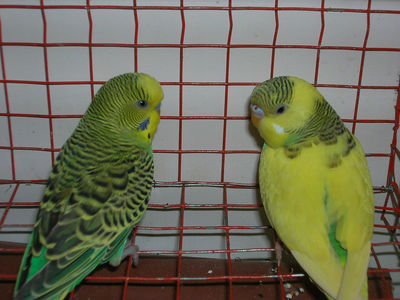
[
  {"x": 83, "y": 225},
  {"x": 351, "y": 198}
]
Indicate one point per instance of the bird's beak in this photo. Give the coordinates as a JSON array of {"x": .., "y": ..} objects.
[
  {"x": 157, "y": 108},
  {"x": 273, "y": 134},
  {"x": 255, "y": 120}
]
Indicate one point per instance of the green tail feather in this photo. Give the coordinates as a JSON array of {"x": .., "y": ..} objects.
[{"x": 38, "y": 285}]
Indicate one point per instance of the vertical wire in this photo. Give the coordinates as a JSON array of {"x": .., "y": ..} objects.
[
  {"x": 7, "y": 103},
  {"x": 181, "y": 90},
  {"x": 223, "y": 159},
  {"x": 7, "y": 100},
  {"x": 183, "y": 202},
  {"x": 179, "y": 267},
  {"x": 384, "y": 281},
  {"x": 47, "y": 79},
  {"x": 393, "y": 146},
  {"x": 8, "y": 205},
  {"x": 391, "y": 180},
  {"x": 321, "y": 36},
  {"x": 135, "y": 42},
  {"x": 274, "y": 39},
  {"x": 90, "y": 41},
  {"x": 368, "y": 14},
  {"x": 392, "y": 186}
]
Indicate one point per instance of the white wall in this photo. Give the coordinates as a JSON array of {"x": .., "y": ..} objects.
[{"x": 201, "y": 65}]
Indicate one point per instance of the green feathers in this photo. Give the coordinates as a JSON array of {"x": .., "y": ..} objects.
[
  {"x": 97, "y": 191},
  {"x": 339, "y": 250}
]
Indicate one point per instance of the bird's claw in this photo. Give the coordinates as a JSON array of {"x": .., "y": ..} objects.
[
  {"x": 129, "y": 250},
  {"x": 132, "y": 251}
]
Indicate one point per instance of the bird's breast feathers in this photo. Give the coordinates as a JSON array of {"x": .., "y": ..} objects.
[{"x": 306, "y": 191}]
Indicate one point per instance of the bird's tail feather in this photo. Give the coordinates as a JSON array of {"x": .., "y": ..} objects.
[{"x": 354, "y": 283}]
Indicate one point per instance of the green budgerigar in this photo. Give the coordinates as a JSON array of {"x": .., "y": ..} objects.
[
  {"x": 97, "y": 191},
  {"x": 315, "y": 185}
]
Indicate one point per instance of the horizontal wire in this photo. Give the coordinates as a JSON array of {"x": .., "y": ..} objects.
[
  {"x": 78, "y": 116},
  {"x": 178, "y": 278},
  {"x": 205, "y": 278},
  {"x": 21, "y": 249},
  {"x": 198, "y": 83},
  {"x": 189, "y": 151},
  {"x": 183, "y": 7},
  {"x": 233, "y": 46},
  {"x": 182, "y": 228},
  {"x": 188, "y": 183}
]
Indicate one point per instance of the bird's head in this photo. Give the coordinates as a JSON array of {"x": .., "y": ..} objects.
[
  {"x": 128, "y": 107},
  {"x": 281, "y": 108}
]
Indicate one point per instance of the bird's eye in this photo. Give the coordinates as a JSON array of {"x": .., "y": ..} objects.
[
  {"x": 257, "y": 110},
  {"x": 281, "y": 109},
  {"x": 142, "y": 103}
]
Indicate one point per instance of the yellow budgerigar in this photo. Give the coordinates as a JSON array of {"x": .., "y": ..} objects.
[{"x": 315, "y": 185}]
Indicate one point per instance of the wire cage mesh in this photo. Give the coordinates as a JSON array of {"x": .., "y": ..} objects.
[{"x": 204, "y": 235}]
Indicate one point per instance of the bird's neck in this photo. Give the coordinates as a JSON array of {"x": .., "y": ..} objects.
[{"x": 114, "y": 140}]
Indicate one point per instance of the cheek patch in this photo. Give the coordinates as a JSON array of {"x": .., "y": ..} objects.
[
  {"x": 144, "y": 124},
  {"x": 278, "y": 129}
]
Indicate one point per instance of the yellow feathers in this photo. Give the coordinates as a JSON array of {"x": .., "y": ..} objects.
[{"x": 315, "y": 185}]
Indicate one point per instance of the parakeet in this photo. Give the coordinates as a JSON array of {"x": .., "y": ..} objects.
[
  {"x": 97, "y": 191},
  {"x": 315, "y": 185}
]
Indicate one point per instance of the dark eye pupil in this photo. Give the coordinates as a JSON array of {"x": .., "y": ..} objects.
[
  {"x": 281, "y": 109},
  {"x": 142, "y": 103}
]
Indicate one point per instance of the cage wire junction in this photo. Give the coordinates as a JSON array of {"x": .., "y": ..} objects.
[{"x": 174, "y": 193}]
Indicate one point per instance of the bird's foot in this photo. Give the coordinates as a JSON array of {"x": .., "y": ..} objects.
[
  {"x": 129, "y": 250},
  {"x": 290, "y": 291},
  {"x": 132, "y": 251}
]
